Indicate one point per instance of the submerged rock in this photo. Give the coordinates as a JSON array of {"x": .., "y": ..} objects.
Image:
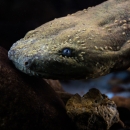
[{"x": 93, "y": 111}]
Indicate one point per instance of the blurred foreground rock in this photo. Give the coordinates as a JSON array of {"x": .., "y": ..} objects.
[
  {"x": 55, "y": 84},
  {"x": 28, "y": 103}
]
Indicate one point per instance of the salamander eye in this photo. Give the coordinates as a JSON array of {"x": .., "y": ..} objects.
[{"x": 67, "y": 52}]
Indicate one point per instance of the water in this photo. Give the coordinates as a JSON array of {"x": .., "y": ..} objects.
[{"x": 104, "y": 84}]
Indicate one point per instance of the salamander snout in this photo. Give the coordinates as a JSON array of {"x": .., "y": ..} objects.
[{"x": 30, "y": 64}]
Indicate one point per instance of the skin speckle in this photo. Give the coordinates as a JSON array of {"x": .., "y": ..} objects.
[
  {"x": 84, "y": 47},
  {"x": 70, "y": 40},
  {"x": 96, "y": 47},
  {"x": 116, "y": 21},
  {"x": 105, "y": 47},
  {"x": 109, "y": 30},
  {"x": 84, "y": 10},
  {"x": 82, "y": 58},
  {"x": 124, "y": 24},
  {"x": 123, "y": 33},
  {"x": 101, "y": 48},
  {"x": 82, "y": 52},
  {"x": 118, "y": 48},
  {"x": 80, "y": 55},
  {"x": 125, "y": 28},
  {"x": 90, "y": 38},
  {"x": 124, "y": 21},
  {"x": 78, "y": 42},
  {"x": 77, "y": 37},
  {"x": 120, "y": 22},
  {"x": 110, "y": 48}
]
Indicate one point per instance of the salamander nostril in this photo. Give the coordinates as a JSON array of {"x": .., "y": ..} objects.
[
  {"x": 29, "y": 64},
  {"x": 26, "y": 63},
  {"x": 96, "y": 101}
]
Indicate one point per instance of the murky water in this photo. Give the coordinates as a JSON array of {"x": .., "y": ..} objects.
[{"x": 105, "y": 84}]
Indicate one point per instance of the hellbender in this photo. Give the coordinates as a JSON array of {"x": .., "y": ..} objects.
[{"x": 87, "y": 44}]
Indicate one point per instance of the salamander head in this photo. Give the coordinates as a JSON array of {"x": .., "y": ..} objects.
[
  {"x": 83, "y": 45},
  {"x": 57, "y": 58},
  {"x": 44, "y": 57}
]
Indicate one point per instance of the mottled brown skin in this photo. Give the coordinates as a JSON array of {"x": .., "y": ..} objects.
[
  {"x": 93, "y": 111},
  {"x": 99, "y": 40}
]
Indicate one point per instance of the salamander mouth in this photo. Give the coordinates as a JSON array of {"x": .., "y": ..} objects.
[
  {"x": 26, "y": 70},
  {"x": 44, "y": 74}
]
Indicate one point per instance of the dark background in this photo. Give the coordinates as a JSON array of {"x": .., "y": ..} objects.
[{"x": 19, "y": 16}]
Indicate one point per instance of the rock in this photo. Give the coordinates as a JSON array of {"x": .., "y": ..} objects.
[
  {"x": 122, "y": 102},
  {"x": 93, "y": 111},
  {"x": 117, "y": 89},
  {"x": 28, "y": 103},
  {"x": 55, "y": 84},
  {"x": 125, "y": 117},
  {"x": 65, "y": 96}
]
